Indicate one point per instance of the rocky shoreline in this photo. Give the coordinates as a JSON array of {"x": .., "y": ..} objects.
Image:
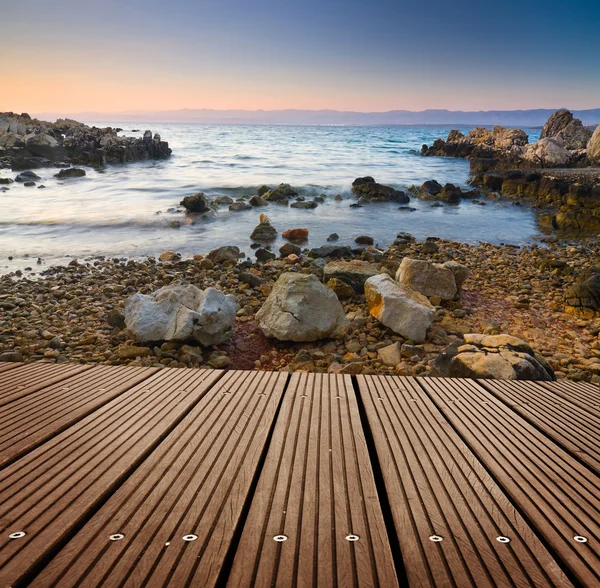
[
  {"x": 538, "y": 294},
  {"x": 559, "y": 174},
  {"x": 27, "y": 143}
]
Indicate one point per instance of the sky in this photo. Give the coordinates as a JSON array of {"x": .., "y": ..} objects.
[{"x": 378, "y": 55}]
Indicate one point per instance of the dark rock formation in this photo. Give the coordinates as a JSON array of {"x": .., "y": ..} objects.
[
  {"x": 197, "y": 203},
  {"x": 70, "y": 172},
  {"x": 585, "y": 293},
  {"x": 370, "y": 191},
  {"x": 31, "y": 143}
]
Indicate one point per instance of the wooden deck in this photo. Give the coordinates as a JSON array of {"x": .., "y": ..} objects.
[{"x": 125, "y": 476}]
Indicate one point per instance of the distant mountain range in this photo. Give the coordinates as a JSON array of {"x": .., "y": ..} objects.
[{"x": 515, "y": 118}]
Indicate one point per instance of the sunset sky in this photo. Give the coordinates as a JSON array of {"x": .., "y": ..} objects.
[{"x": 115, "y": 55}]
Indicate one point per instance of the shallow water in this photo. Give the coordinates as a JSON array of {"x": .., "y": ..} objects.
[{"x": 122, "y": 210}]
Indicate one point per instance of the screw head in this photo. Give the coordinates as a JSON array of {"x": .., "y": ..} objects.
[
  {"x": 190, "y": 537},
  {"x": 502, "y": 539},
  {"x": 580, "y": 539},
  {"x": 280, "y": 538},
  {"x": 17, "y": 535},
  {"x": 436, "y": 538},
  {"x": 352, "y": 537}
]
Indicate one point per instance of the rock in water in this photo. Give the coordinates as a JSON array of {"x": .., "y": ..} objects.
[
  {"x": 197, "y": 203},
  {"x": 561, "y": 125},
  {"x": 282, "y": 192},
  {"x": 398, "y": 307},
  {"x": 181, "y": 312},
  {"x": 427, "y": 278},
  {"x": 264, "y": 231},
  {"x": 370, "y": 191},
  {"x": 501, "y": 357},
  {"x": 70, "y": 172},
  {"x": 300, "y": 308},
  {"x": 295, "y": 234},
  {"x": 593, "y": 147}
]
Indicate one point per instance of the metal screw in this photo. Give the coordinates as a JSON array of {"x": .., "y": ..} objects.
[
  {"x": 352, "y": 537},
  {"x": 17, "y": 535},
  {"x": 280, "y": 538},
  {"x": 436, "y": 538},
  {"x": 190, "y": 537},
  {"x": 580, "y": 539},
  {"x": 502, "y": 539},
  {"x": 117, "y": 537}
]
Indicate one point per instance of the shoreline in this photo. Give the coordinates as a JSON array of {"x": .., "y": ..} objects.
[{"x": 73, "y": 313}]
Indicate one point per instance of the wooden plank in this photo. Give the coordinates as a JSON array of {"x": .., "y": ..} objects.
[
  {"x": 31, "y": 420},
  {"x": 31, "y": 377},
  {"x": 583, "y": 394},
  {"x": 437, "y": 487},
  {"x": 5, "y": 366},
  {"x": 316, "y": 489},
  {"x": 196, "y": 482},
  {"x": 49, "y": 493},
  {"x": 576, "y": 429},
  {"x": 557, "y": 494}
]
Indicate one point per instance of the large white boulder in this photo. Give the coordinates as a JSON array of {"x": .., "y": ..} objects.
[
  {"x": 181, "y": 312},
  {"x": 399, "y": 307},
  {"x": 427, "y": 278},
  {"x": 548, "y": 152},
  {"x": 301, "y": 308},
  {"x": 593, "y": 147}
]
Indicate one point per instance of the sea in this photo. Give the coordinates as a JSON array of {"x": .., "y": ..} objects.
[{"x": 133, "y": 210}]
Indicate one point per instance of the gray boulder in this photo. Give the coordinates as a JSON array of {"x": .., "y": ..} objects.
[
  {"x": 398, "y": 307},
  {"x": 500, "y": 357},
  {"x": 562, "y": 125},
  {"x": 427, "y": 278},
  {"x": 264, "y": 231},
  {"x": 301, "y": 308},
  {"x": 197, "y": 203},
  {"x": 548, "y": 152},
  {"x": 44, "y": 145},
  {"x": 593, "y": 147},
  {"x": 181, "y": 312}
]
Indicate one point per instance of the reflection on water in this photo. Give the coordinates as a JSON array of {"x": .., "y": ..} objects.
[{"x": 123, "y": 210}]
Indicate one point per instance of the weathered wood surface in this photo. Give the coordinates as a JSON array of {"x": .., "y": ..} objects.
[{"x": 238, "y": 458}]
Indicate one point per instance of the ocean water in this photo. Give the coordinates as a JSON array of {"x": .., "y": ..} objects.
[{"x": 130, "y": 210}]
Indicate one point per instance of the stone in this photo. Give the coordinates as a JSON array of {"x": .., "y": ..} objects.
[
  {"x": 334, "y": 251},
  {"x": 132, "y": 351},
  {"x": 355, "y": 272},
  {"x": 430, "y": 247},
  {"x": 264, "y": 255},
  {"x": 548, "y": 152},
  {"x": 251, "y": 279},
  {"x": 46, "y": 146},
  {"x": 333, "y": 237},
  {"x": 257, "y": 201},
  {"x": 461, "y": 273},
  {"x": 301, "y": 308},
  {"x": 282, "y": 192},
  {"x": 398, "y": 307},
  {"x": 223, "y": 200},
  {"x": 264, "y": 231},
  {"x": 181, "y": 312},
  {"x": 491, "y": 357},
  {"x": 27, "y": 176},
  {"x": 198, "y": 202},
  {"x": 11, "y": 356},
  {"x": 116, "y": 318},
  {"x": 562, "y": 125},
  {"x": 370, "y": 191},
  {"x": 585, "y": 292},
  {"x": 364, "y": 240},
  {"x": 341, "y": 288},
  {"x": 308, "y": 204},
  {"x": 593, "y": 147},
  {"x": 390, "y": 355},
  {"x": 289, "y": 249},
  {"x": 171, "y": 256},
  {"x": 222, "y": 254},
  {"x": 427, "y": 278},
  {"x": 70, "y": 172},
  {"x": 239, "y": 206},
  {"x": 295, "y": 234}
]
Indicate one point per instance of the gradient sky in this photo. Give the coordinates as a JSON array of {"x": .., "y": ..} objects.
[{"x": 116, "y": 55}]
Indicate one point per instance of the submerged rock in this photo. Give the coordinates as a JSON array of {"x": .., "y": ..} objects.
[
  {"x": 181, "y": 312},
  {"x": 199, "y": 202},
  {"x": 300, "y": 308},
  {"x": 331, "y": 251},
  {"x": 493, "y": 357},
  {"x": 264, "y": 231},
  {"x": 27, "y": 176},
  {"x": 398, "y": 307},
  {"x": 70, "y": 172},
  {"x": 370, "y": 191},
  {"x": 282, "y": 192}
]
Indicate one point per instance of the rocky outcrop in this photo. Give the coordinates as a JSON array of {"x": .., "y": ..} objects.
[
  {"x": 354, "y": 273},
  {"x": 569, "y": 130},
  {"x": 500, "y": 357},
  {"x": 181, "y": 312},
  {"x": 282, "y": 192},
  {"x": 432, "y": 279},
  {"x": 29, "y": 143},
  {"x": 583, "y": 297},
  {"x": 199, "y": 203},
  {"x": 300, "y": 308},
  {"x": 368, "y": 190},
  {"x": 398, "y": 307},
  {"x": 70, "y": 172},
  {"x": 593, "y": 147},
  {"x": 548, "y": 152},
  {"x": 433, "y": 190}
]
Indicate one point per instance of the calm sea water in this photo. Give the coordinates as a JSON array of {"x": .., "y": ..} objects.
[{"x": 124, "y": 210}]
